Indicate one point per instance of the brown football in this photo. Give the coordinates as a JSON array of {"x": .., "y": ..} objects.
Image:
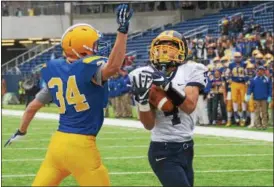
[{"x": 159, "y": 99}]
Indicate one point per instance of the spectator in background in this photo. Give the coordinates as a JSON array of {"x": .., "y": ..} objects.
[
  {"x": 225, "y": 25},
  {"x": 218, "y": 89},
  {"x": 229, "y": 50},
  {"x": 30, "y": 11},
  {"x": 211, "y": 53},
  {"x": 241, "y": 45},
  {"x": 200, "y": 50},
  {"x": 5, "y": 9},
  {"x": 21, "y": 92},
  {"x": 18, "y": 12},
  {"x": 261, "y": 87},
  {"x": 3, "y": 86},
  {"x": 112, "y": 87},
  {"x": 126, "y": 111}
]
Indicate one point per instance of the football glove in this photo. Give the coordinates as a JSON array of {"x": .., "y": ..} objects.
[
  {"x": 159, "y": 79},
  {"x": 142, "y": 82},
  {"x": 177, "y": 95},
  {"x": 247, "y": 98},
  {"x": 123, "y": 13},
  {"x": 16, "y": 137},
  {"x": 269, "y": 99}
]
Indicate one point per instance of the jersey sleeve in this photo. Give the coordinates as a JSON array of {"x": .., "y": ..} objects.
[
  {"x": 198, "y": 76},
  {"x": 93, "y": 67},
  {"x": 44, "y": 96}
]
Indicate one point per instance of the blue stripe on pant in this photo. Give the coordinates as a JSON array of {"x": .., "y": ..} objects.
[{"x": 172, "y": 162}]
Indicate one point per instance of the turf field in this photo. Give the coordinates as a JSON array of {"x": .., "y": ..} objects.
[
  {"x": 218, "y": 161},
  {"x": 53, "y": 109}
]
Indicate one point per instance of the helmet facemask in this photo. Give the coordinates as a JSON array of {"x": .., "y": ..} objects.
[{"x": 167, "y": 53}]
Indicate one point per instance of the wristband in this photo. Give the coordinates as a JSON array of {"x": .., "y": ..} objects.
[
  {"x": 176, "y": 97},
  {"x": 144, "y": 108}
]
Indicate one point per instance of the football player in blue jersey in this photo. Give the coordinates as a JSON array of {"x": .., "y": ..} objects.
[{"x": 77, "y": 86}]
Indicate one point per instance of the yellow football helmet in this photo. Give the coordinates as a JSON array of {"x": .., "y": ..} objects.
[
  {"x": 255, "y": 52},
  {"x": 224, "y": 59},
  {"x": 216, "y": 60},
  {"x": 259, "y": 56},
  {"x": 210, "y": 67},
  {"x": 79, "y": 41},
  {"x": 169, "y": 47},
  {"x": 268, "y": 57},
  {"x": 250, "y": 65}
]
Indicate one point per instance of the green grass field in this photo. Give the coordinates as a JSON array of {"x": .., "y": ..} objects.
[
  {"x": 218, "y": 161},
  {"x": 53, "y": 109}
]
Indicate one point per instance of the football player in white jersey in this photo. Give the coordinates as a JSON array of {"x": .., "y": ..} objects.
[{"x": 171, "y": 149}]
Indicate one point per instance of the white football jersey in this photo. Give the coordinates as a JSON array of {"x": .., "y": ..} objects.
[{"x": 178, "y": 126}]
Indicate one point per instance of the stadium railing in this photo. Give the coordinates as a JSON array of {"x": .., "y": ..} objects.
[
  {"x": 24, "y": 57},
  {"x": 262, "y": 8}
]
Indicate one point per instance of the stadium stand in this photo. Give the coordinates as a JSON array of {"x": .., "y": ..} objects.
[{"x": 139, "y": 42}]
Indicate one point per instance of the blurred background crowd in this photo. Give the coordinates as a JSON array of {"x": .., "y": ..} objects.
[{"x": 239, "y": 59}]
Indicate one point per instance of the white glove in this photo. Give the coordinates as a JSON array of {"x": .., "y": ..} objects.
[{"x": 16, "y": 137}]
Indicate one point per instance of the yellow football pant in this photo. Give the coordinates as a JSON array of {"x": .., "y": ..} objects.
[
  {"x": 238, "y": 91},
  {"x": 72, "y": 154},
  {"x": 229, "y": 104}
]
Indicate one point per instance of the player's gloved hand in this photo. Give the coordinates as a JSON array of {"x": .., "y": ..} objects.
[
  {"x": 123, "y": 13},
  {"x": 159, "y": 79},
  {"x": 247, "y": 98},
  {"x": 141, "y": 85},
  {"x": 175, "y": 93},
  {"x": 269, "y": 99},
  {"x": 16, "y": 137}
]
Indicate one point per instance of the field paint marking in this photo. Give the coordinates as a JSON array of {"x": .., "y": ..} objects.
[
  {"x": 150, "y": 172},
  {"x": 244, "y": 134},
  {"x": 42, "y": 133},
  {"x": 140, "y": 146},
  {"x": 148, "y": 138},
  {"x": 142, "y": 157}
]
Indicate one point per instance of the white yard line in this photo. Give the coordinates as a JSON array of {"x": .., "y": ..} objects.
[
  {"x": 140, "y": 146},
  {"x": 51, "y": 133},
  {"x": 244, "y": 134},
  {"x": 149, "y": 172},
  {"x": 143, "y": 157}
]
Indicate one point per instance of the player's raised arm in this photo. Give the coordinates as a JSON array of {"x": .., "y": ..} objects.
[{"x": 117, "y": 54}]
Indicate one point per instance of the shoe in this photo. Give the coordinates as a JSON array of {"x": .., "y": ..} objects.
[
  {"x": 228, "y": 124},
  {"x": 214, "y": 122},
  {"x": 223, "y": 122},
  {"x": 236, "y": 117},
  {"x": 250, "y": 126}
]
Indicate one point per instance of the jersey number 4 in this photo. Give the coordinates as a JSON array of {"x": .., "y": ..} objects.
[{"x": 73, "y": 95}]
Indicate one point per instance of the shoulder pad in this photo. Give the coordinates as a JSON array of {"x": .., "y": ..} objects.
[{"x": 91, "y": 59}]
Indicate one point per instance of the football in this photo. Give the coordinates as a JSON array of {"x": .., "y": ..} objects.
[{"x": 159, "y": 99}]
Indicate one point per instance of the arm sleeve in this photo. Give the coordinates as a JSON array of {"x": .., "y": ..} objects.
[
  {"x": 198, "y": 76},
  {"x": 98, "y": 76},
  {"x": 44, "y": 96}
]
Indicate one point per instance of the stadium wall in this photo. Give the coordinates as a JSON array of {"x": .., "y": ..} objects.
[{"x": 54, "y": 26}]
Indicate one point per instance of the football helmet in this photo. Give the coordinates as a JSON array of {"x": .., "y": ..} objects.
[
  {"x": 250, "y": 65},
  {"x": 268, "y": 57},
  {"x": 255, "y": 52},
  {"x": 169, "y": 48},
  {"x": 79, "y": 41},
  {"x": 225, "y": 61}
]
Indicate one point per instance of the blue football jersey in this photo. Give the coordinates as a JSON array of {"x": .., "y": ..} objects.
[
  {"x": 238, "y": 72},
  {"x": 80, "y": 100}
]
